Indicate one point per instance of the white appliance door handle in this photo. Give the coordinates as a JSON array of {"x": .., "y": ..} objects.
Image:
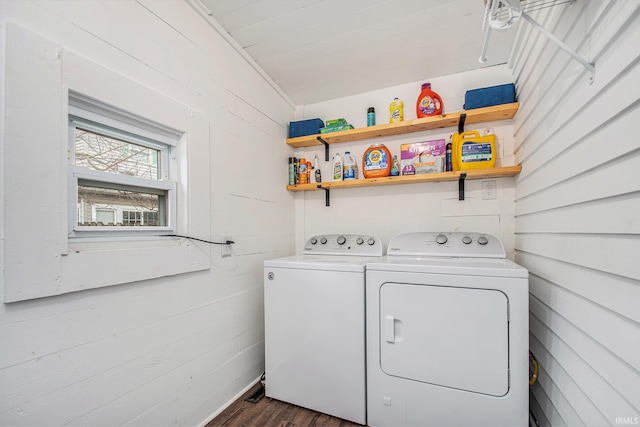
[{"x": 390, "y": 332}]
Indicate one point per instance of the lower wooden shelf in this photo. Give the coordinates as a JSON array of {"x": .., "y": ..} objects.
[{"x": 501, "y": 172}]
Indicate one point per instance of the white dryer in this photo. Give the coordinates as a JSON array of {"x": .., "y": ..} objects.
[
  {"x": 447, "y": 333},
  {"x": 315, "y": 325}
]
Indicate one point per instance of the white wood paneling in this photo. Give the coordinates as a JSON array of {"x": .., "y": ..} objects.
[
  {"x": 577, "y": 209},
  {"x": 173, "y": 350}
]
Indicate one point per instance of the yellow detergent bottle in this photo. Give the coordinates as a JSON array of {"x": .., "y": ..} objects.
[
  {"x": 396, "y": 111},
  {"x": 469, "y": 150}
]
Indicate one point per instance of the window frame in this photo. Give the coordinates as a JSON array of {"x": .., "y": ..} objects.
[{"x": 94, "y": 116}]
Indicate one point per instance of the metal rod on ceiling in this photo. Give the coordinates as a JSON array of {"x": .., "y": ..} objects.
[{"x": 493, "y": 20}]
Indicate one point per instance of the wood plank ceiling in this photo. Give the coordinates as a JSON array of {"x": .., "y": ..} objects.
[{"x": 315, "y": 50}]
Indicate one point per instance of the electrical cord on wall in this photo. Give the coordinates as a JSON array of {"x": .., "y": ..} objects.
[{"x": 226, "y": 242}]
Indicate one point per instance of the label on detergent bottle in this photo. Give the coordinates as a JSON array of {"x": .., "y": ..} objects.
[
  {"x": 427, "y": 106},
  {"x": 474, "y": 152}
]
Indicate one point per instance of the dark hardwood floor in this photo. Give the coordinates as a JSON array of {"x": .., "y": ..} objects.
[{"x": 273, "y": 413}]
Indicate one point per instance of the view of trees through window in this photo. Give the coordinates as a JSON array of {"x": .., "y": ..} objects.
[{"x": 102, "y": 205}]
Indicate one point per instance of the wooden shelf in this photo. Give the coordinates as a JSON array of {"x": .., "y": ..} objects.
[
  {"x": 478, "y": 115},
  {"x": 501, "y": 172}
]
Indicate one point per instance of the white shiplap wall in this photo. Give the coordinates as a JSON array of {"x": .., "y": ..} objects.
[
  {"x": 578, "y": 209},
  {"x": 174, "y": 350}
]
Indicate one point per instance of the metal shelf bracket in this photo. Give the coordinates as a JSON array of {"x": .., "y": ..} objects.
[
  {"x": 461, "y": 180},
  {"x": 327, "y": 199},
  {"x": 326, "y": 148}
]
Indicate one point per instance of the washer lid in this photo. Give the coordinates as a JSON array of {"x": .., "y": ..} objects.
[
  {"x": 322, "y": 262},
  {"x": 489, "y": 267}
]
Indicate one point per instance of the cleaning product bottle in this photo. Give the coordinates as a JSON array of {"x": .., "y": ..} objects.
[
  {"x": 350, "y": 167},
  {"x": 395, "y": 168},
  {"x": 336, "y": 167},
  {"x": 376, "y": 161},
  {"x": 302, "y": 170},
  {"x": 292, "y": 171},
  {"x": 317, "y": 174},
  {"x": 371, "y": 116},
  {"x": 429, "y": 103},
  {"x": 448, "y": 164},
  {"x": 396, "y": 111}
]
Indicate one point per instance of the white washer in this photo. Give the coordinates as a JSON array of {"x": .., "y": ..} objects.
[
  {"x": 315, "y": 325},
  {"x": 447, "y": 333}
]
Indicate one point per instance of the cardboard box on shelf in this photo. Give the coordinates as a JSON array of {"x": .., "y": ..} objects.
[{"x": 423, "y": 157}]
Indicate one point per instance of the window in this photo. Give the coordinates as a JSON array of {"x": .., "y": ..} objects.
[
  {"x": 51, "y": 245},
  {"x": 120, "y": 173}
]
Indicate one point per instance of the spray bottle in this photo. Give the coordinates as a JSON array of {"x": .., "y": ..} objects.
[{"x": 317, "y": 173}]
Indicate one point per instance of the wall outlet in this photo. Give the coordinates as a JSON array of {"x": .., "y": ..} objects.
[
  {"x": 489, "y": 190},
  {"x": 226, "y": 249}
]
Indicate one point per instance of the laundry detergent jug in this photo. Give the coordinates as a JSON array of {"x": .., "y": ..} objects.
[
  {"x": 429, "y": 103},
  {"x": 469, "y": 150},
  {"x": 376, "y": 161}
]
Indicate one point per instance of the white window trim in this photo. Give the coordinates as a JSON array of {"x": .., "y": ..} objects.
[{"x": 95, "y": 116}]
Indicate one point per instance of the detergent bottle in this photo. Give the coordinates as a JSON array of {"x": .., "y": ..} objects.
[
  {"x": 350, "y": 167},
  {"x": 376, "y": 161},
  {"x": 429, "y": 103},
  {"x": 469, "y": 150}
]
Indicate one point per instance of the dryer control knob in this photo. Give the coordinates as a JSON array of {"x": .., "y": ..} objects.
[
  {"x": 359, "y": 240},
  {"x": 371, "y": 241},
  {"x": 483, "y": 240},
  {"x": 323, "y": 240},
  {"x": 314, "y": 241},
  {"x": 441, "y": 239},
  {"x": 466, "y": 240},
  {"x": 341, "y": 240}
]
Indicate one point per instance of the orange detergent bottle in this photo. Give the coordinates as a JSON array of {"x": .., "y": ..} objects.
[
  {"x": 429, "y": 103},
  {"x": 376, "y": 161}
]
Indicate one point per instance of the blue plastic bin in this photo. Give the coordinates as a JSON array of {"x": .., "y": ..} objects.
[
  {"x": 305, "y": 127},
  {"x": 488, "y": 96}
]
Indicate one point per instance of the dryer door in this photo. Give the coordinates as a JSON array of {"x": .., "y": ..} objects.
[{"x": 447, "y": 336}]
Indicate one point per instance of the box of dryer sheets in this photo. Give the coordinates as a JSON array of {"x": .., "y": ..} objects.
[{"x": 423, "y": 157}]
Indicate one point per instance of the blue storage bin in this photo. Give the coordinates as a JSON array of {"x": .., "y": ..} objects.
[
  {"x": 305, "y": 127},
  {"x": 488, "y": 96}
]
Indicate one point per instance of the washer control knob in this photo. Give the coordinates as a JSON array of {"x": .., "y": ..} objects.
[
  {"x": 466, "y": 240},
  {"x": 371, "y": 241},
  {"x": 341, "y": 240},
  {"x": 314, "y": 241},
  {"x": 483, "y": 240},
  {"x": 441, "y": 239},
  {"x": 323, "y": 240},
  {"x": 359, "y": 240}
]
